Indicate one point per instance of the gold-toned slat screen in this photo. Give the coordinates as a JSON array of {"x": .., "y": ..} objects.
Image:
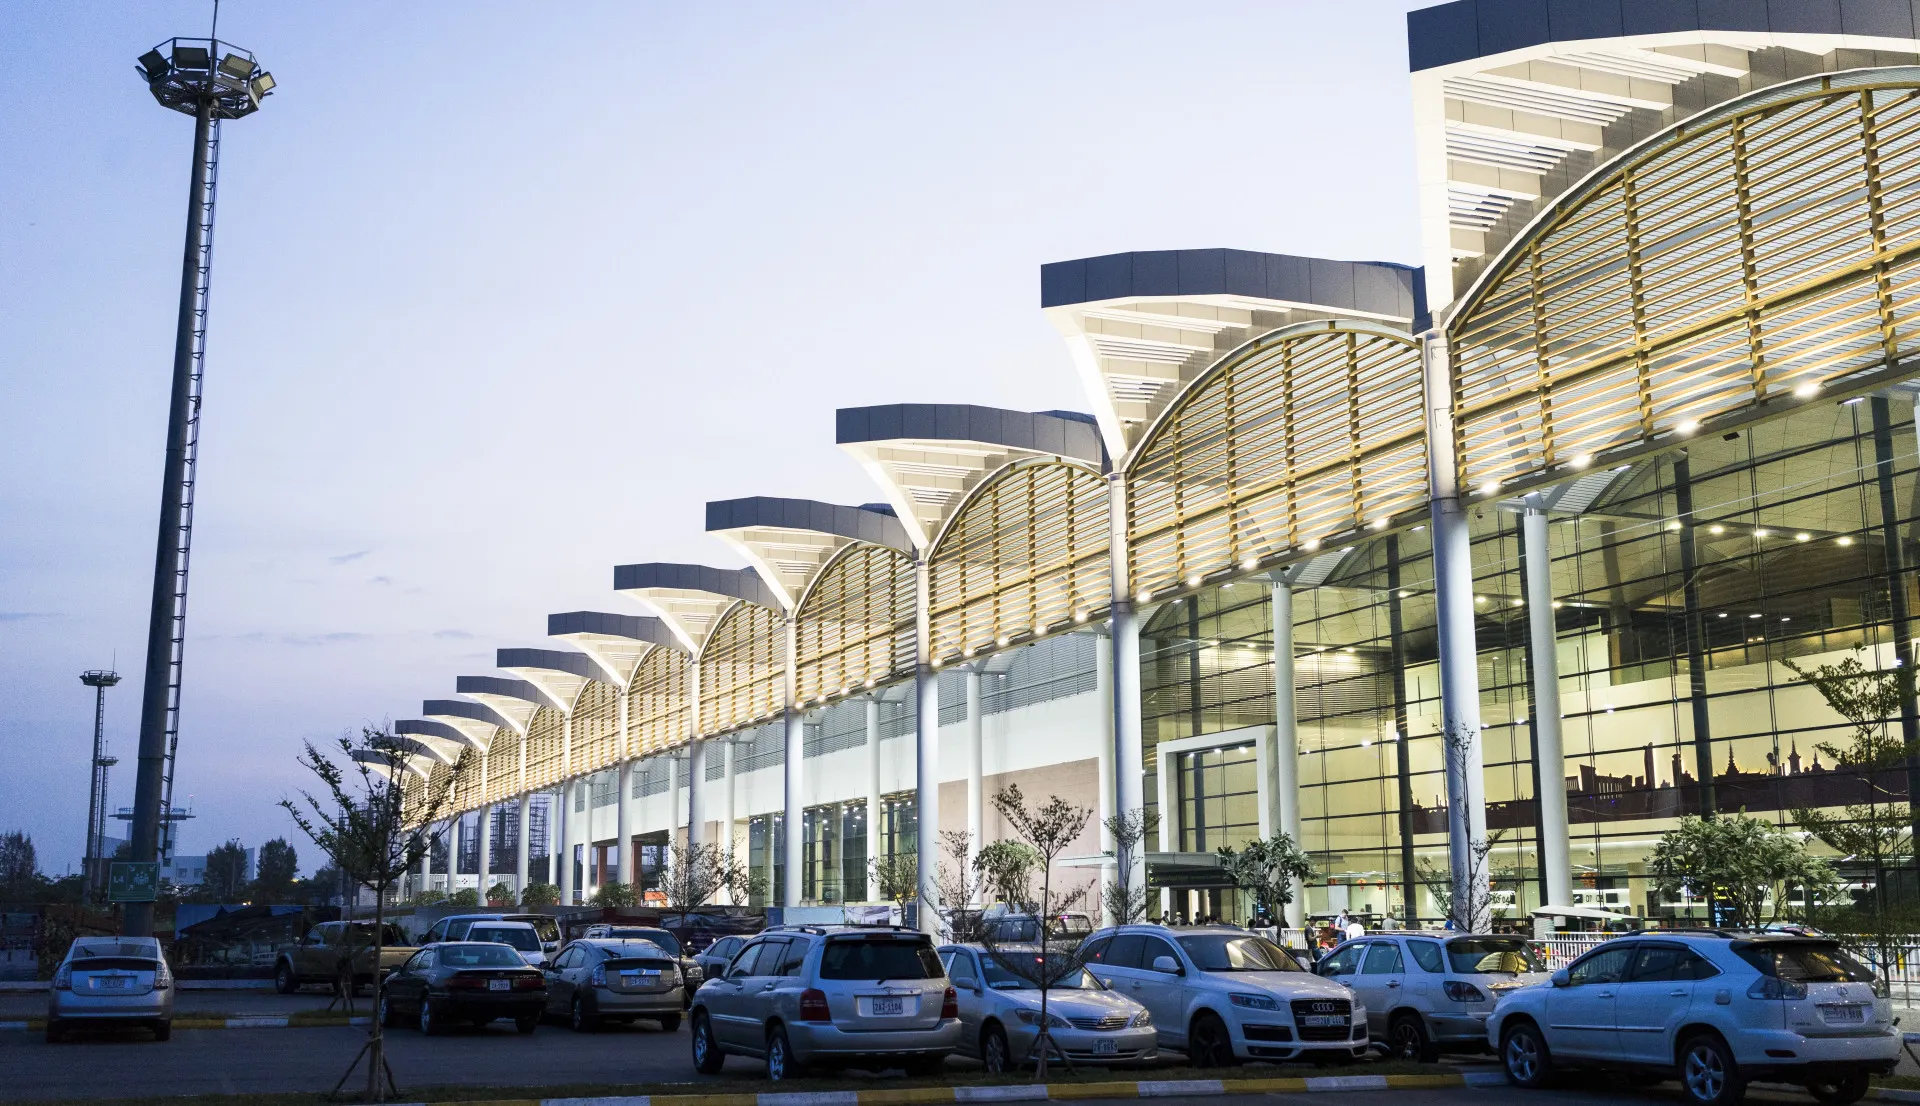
[
  {"x": 1025, "y": 556},
  {"x": 1763, "y": 251},
  {"x": 596, "y": 728},
  {"x": 1310, "y": 431},
  {"x": 657, "y": 714},
  {"x": 503, "y": 767},
  {"x": 742, "y": 669},
  {"x": 469, "y": 784},
  {"x": 855, "y": 625},
  {"x": 546, "y": 748}
]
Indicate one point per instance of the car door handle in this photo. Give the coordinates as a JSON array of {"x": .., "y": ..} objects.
[
  {"x": 769, "y": 986},
  {"x": 1393, "y": 983},
  {"x": 1676, "y": 994},
  {"x": 1605, "y": 994}
]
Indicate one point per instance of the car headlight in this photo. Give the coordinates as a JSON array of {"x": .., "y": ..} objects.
[
  {"x": 1142, "y": 1019},
  {"x": 693, "y": 972},
  {"x": 1253, "y": 1002},
  {"x": 1032, "y": 1017}
]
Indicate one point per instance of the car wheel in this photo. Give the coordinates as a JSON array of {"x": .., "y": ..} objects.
[
  {"x": 577, "y": 1018},
  {"x": 1523, "y": 1052},
  {"x": 1708, "y": 1074},
  {"x": 284, "y": 981},
  {"x": 429, "y": 1024},
  {"x": 995, "y": 1055},
  {"x": 707, "y": 1057},
  {"x": 385, "y": 1011},
  {"x": 1209, "y": 1045},
  {"x": 163, "y": 1031},
  {"x": 1841, "y": 1090},
  {"x": 669, "y": 1023},
  {"x": 527, "y": 1023},
  {"x": 781, "y": 1066},
  {"x": 1407, "y": 1040},
  {"x": 55, "y": 1031}
]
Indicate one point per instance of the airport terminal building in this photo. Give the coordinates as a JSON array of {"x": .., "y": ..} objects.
[{"x": 1519, "y": 545}]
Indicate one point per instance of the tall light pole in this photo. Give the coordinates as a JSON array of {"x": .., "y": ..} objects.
[
  {"x": 93, "y": 867},
  {"x": 211, "y": 81}
]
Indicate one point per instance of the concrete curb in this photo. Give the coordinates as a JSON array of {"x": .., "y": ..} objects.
[
  {"x": 250, "y": 1021},
  {"x": 39, "y": 986}
]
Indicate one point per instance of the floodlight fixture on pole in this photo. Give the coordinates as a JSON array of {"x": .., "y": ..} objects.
[
  {"x": 211, "y": 81},
  {"x": 93, "y": 865}
]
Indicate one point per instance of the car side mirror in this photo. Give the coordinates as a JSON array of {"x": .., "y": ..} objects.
[
  {"x": 1168, "y": 965},
  {"x": 719, "y": 972},
  {"x": 1561, "y": 978}
]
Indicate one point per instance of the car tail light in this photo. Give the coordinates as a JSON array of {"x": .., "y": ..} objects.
[
  {"x": 1460, "y": 991},
  {"x": 529, "y": 982},
  {"x": 162, "y": 976},
  {"x": 63, "y": 979},
  {"x": 466, "y": 983},
  {"x": 950, "y": 1005},
  {"x": 599, "y": 976},
  {"x": 1769, "y": 987},
  {"x": 813, "y": 1006}
]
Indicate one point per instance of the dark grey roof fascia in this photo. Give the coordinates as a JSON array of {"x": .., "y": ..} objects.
[
  {"x": 636, "y": 627},
  {"x": 553, "y": 660},
  {"x": 855, "y": 523},
  {"x": 1062, "y": 434},
  {"x": 1468, "y": 29},
  {"x": 461, "y": 708},
  {"x": 738, "y": 583},
  {"x": 427, "y": 727},
  {"x": 1373, "y": 287},
  {"x": 498, "y": 685}
]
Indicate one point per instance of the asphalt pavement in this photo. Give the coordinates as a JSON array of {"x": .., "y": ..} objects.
[{"x": 33, "y": 1004}]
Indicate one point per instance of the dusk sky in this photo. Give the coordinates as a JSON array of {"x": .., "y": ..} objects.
[{"x": 504, "y": 293}]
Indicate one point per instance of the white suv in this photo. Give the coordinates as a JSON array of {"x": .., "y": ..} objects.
[
  {"x": 1222, "y": 995},
  {"x": 1428, "y": 993},
  {"x": 1714, "y": 1009}
]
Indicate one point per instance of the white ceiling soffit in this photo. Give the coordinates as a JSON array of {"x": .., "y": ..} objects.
[
  {"x": 788, "y": 541},
  {"x": 391, "y": 766},
  {"x": 690, "y": 599},
  {"x": 617, "y": 643},
  {"x": 475, "y": 722},
  {"x": 558, "y": 673},
  {"x": 512, "y": 699},
  {"x": 434, "y": 739},
  {"x": 1498, "y": 136}
]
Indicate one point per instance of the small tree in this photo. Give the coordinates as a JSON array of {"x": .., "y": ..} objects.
[
  {"x": 465, "y": 896},
  {"x": 614, "y": 893},
  {"x": 19, "y": 867},
  {"x": 1047, "y": 829},
  {"x": 898, "y": 875},
  {"x": 1126, "y": 892},
  {"x": 275, "y": 872},
  {"x": 226, "y": 879},
  {"x": 696, "y": 873},
  {"x": 1740, "y": 864},
  {"x": 1006, "y": 870},
  {"x": 1267, "y": 870},
  {"x": 375, "y": 831},
  {"x": 540, "y": 894},
  {"x": 957, "y": 882}
]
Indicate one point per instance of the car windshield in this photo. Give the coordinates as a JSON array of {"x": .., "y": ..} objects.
[
  {"x": 141, "y": 950},
  {"x": 362, "y": 934},
  {"x": 867, "y": 958},
  {"x": 1225, "y": 952},
  {"x": 480, "y": 956},
  {"x": 526, "y": 940},
  {"x": 1805, "y": 963},
  {"x": 1484, "y": 955},
  {"x": 1000, "y": 978},
  {"x": 546, "y": 927},
  {"x": 661, "y": 937}
]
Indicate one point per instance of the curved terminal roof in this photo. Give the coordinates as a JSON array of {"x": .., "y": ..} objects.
[
  {"x": 477, "y": 721},
  {"x": 615, "y": 642},
  {"x": 438, "y": 739},
  {"x": 1141, "y": 324},
  {"x": 788, "y": 541},
  {"x": 390, "y": 765},
  {"x": 513, "y": 700},
  {"x": 1516, "y": 100},
  {"x": 691, "y": 598},
  {"x": 558, "y": 673},
  {"x": 928, "y": 456}
]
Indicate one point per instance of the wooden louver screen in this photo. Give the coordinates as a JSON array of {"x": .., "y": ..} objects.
[
  {"x": 1309, "y": 432},
  {"x": 503, "y": 767},
  {"x": 1757, "y": 253},
  {"x": 596, "y": 728},
  {"x": 546, "y": 748},
  {"x": 855, "y": 626},
  {"x": 657, "y": 715},
  {"x": 742, "y": 669},
  {"x": 1027, "y": 556}
]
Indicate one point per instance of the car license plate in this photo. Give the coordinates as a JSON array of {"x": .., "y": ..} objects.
[
  {"x": 112, "y": 983},
  {"x": 1313, "y": 1020},
  {"x": 1106, "y": 1048},
  {"x": 889, "y": 1007},
  {"x": 631, "y": 979},
  {"x": 1848, "y": 1014},
  {"x": 499, "y": 984}
]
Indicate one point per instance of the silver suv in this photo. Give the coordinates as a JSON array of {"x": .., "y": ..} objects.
[
  {"x": 829, "y": 996},
  {"x": 1426, "y": 993},
  {"x": 1222, "y": 995}
]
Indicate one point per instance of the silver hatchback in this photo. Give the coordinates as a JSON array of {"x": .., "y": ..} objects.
[
  {"x": 1000, "y": 1015},
  {"x": 594, "y": 981},
  {"x": 829, "y": 996},
  {"x": 112, "y": 981}
]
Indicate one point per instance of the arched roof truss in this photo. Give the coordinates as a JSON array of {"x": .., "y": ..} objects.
[
  {"x": 503, "y": 769},
  {"x": 435, "y": 739},
  {"x": 1309, "y": 432},
  {"x": 657, "y": 703},
  {"x": 469, "y": 783},
  {"x": 476, "y": 722},
  {"x": 691, "y": 598},
  {"x": 615, "y": 642},
  {"x": 513, "y": 700},
  {"x": 788, "y": 541},
  {"x": 1753, "y": 256},
  {"x": 743, "y": 669},
  {"x": 558, "y": 673},
  {"x": 596, "y": 728},
  {"x": 854, "y": 628},
  {"x": 546, "y": 748},
  {"x": 1026, "y": 555}
]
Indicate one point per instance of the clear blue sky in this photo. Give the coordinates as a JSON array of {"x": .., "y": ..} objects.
[{"x": 504, "y": 293}]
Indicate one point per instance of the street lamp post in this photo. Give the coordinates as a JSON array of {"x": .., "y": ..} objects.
[{"x": 211, "y": 81}]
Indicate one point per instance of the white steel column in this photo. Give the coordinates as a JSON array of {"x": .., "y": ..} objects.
[
  {"x": 622, "y": 825},
  {"x": 874, "y": 838},
  {"x": 1129, "y": 771},
  {"x": 926, "y": 760},
  {"x": 976, "y": 769},
  {"x": 673, "y": 797},
  {"x": 561, "y": 859},
  {"x": 1286, "y": 740},
  {"x": 696, "y": 792},
  {"x": 1103, "y": 687},
  {"x": 486, "y": 850},
  {"x": 1453, "y": 598},
  {"x": 453, "y": 853},
  {"x": 554, "y": 837},
  {"x": 791, "y": 801},
  {"x": 1549, "y": 756},
  {"x": 726, "y": 839},
  {"x": 523, "y": 845}
]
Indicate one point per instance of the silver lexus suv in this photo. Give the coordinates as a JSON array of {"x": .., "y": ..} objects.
[{"x": 874, "y": 997}]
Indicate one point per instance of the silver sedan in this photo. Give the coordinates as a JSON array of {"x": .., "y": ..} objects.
[
  {"x": 1000, "y": 1015},
  {"x": 597, "y": 980},
  {"x": 112, "y": 981}
]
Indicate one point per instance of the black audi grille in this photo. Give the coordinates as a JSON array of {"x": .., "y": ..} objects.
[{"x": 1303, "y": 1007}]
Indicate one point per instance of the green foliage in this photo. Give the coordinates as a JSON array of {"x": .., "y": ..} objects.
[
  {"x": 1879, "y": 832},
  {"x": 696, "y": 873},
  {"x": 432, "y": 896},
  {"x": 540, "y": 894},
  {"x": 1126, "y": 894},
  {"x": 19, "y": 866},
  {"x": 614, "y": 893},
  {"x": 500, "y": 894},
  {"x": 1006, "y": 870},
  {"x": 275, "y": 871},
  {"x": 1737, "y": 863},
  {"x": 898, "y": 875},
  {"x": 1266, "y": 870},
  {"x": 465, "y": 896},
  {"x": 226, "y": 879}
]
